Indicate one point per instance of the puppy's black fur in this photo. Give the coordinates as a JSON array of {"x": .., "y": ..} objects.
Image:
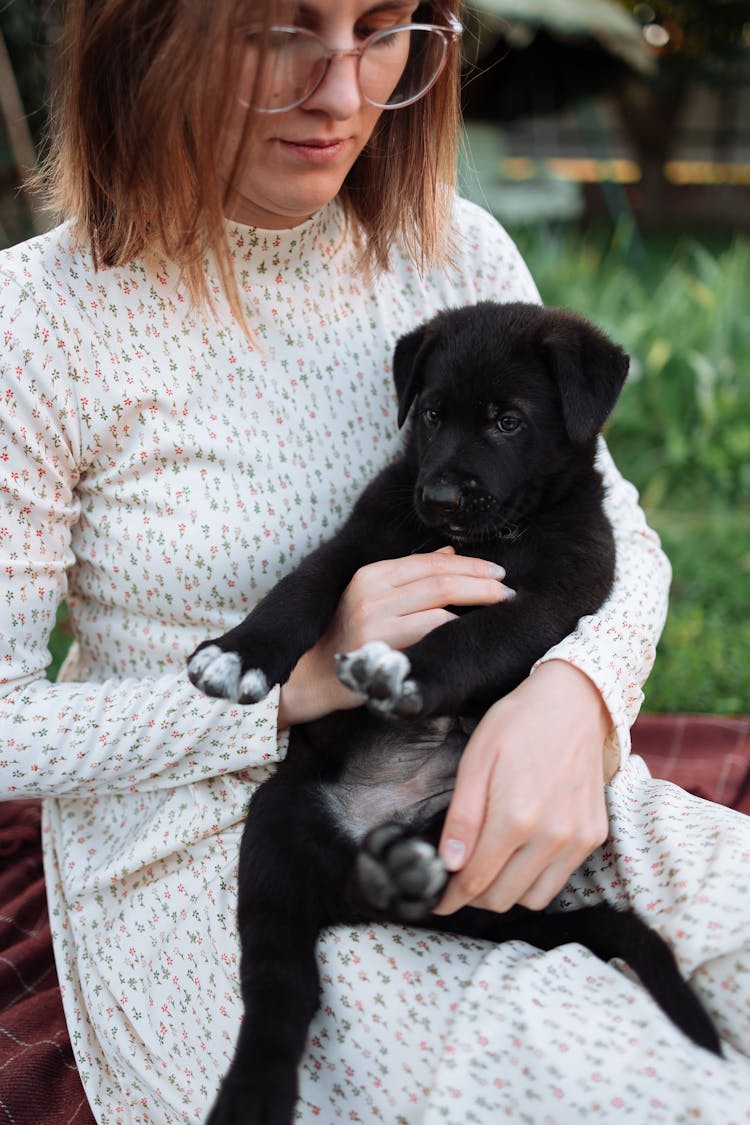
[{"x": 506, "y": 403}]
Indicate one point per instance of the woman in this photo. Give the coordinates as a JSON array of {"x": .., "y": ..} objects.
[{"x": 196, "y": 377}]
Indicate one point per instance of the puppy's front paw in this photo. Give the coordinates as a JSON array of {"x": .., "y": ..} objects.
[
  {"x": 219, "y": 674},
  {"x": 399, "y": 875},
  {"x": 382, "y": 675}
]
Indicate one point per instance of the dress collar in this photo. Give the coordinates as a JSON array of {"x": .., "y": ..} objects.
[{"x": 295, "y": 251}]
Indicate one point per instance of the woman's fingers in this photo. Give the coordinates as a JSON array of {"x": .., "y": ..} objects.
[
  {"x": 436, "y": 565},
  {"x": 399, "y": 601},
  {"x": 477, "y": 843},
  {"x": 532, "y": 876},
  {"x": 398, "y": 587},
  {"x": 528, "y": 806},
  {"x": 446, "y": 589}
]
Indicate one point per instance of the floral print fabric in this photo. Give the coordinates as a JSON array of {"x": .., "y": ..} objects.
[{"x": 162, "y": 472}]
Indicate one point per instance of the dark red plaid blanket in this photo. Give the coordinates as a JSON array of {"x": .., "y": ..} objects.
[
  {"x": 705, "y": 754},
  {"x": 39, "y": 1083}
]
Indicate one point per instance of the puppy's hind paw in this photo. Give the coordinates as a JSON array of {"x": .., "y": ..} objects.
[
  {"x": 219, "y": 674},
  {"x": 398, "y": 875},
  {"x": 382, "y": 675}
]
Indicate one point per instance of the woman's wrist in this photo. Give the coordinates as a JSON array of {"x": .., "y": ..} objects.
[
  {"x": 574, "y": 683},
  {"x": 312, "y": 691}
]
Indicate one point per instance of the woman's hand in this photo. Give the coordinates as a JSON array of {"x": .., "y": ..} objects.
[
  {"x": 529, "y": 805},
  {"x": 397, "y": 601}
]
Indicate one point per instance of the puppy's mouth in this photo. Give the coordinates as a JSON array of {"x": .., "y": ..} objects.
[
  {"x": 476, "y": 535},
  {"x": 473, "y": 519}
]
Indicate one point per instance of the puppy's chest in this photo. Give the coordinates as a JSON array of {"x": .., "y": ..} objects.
[{"x": 395, "y": 777}]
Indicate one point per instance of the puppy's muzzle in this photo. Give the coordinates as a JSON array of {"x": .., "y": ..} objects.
[
  {"x": 446, "y": 502},
  {"x": 441, "y": 496}
]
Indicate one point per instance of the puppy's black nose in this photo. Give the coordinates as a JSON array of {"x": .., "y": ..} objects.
[{"x": 444, "y": 494}]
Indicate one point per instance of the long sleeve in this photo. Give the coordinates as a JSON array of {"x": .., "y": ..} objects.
[
  {"x": 616, "y": 646},
  {"x": 120, "y": 734}
]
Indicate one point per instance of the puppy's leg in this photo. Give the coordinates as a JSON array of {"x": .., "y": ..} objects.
[
  {"x": 284, "y": 896},
  {"x": 262, "y": 650}
]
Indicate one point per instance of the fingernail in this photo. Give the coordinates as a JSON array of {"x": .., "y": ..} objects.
[
  {"x": 452, "y": 853},
  {"x": 509, "y": 593},
  {"x": 497, "y": 571}
]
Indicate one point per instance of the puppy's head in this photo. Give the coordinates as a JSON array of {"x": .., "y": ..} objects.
[{"x": 505, "y": 398}]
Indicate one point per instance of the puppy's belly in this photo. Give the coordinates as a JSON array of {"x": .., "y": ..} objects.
[{"x": 394, "y": 779}]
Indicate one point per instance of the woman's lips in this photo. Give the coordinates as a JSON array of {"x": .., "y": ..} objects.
[{"x": 314, "y": 151}]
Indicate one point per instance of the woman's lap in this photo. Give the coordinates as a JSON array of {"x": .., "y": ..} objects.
[
  {"x": 425, "y": 1028},
  {"x": 421, "y": 1027}
]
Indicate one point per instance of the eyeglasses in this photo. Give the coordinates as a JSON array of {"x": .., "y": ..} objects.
[{"x": 395, "y": 67}]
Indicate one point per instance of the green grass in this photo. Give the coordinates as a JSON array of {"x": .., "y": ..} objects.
[
  {"x": 59, "y": 642},
  {"x": 704, "y": 655}
]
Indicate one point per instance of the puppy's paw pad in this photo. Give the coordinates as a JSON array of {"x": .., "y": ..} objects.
[
  {"x": 401, "y": 876},
  {"x": 381, "y": 674},
  {"x": 219, "y": 674}
]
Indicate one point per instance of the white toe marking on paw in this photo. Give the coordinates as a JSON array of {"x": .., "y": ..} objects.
[
  {"x": 198, "y": 663},
  {"x": 222, "y": 676},
  {"x": 395, "y": 664},
  {"x": 373, "y": 666},
  {"x": 253, "y": 685},
  {"x": 368, "y": 656},
  {"x": 435, "y": 880},
  {"x": 375, "y": 651}
]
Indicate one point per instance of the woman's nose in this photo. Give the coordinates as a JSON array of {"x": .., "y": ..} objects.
[{"x": 338, "y": 95}]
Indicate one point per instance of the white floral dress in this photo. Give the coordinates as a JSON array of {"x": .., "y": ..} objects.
[{"x": 162, "y": 474}]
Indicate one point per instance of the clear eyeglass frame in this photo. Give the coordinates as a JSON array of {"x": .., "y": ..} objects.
[{"x": 447, "y": 36}]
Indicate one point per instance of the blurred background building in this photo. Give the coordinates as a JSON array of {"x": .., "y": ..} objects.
[{"x": 606, "y": 107}]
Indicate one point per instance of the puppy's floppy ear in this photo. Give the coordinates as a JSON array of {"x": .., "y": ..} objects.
[
  {"x": 590, "y": 370},
  {"x": 408, "y": 358}
]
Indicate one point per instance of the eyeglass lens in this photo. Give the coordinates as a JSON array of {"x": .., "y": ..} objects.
[{"x": 395, "y": 68}]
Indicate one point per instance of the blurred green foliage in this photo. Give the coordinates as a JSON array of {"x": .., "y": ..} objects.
[{"x": 703, "y": 658}]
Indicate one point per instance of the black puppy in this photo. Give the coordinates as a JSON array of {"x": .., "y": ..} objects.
[{"x": 507, "y": 404}]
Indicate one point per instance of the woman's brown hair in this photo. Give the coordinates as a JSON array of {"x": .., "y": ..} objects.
[{"x": 133, "y": 159}]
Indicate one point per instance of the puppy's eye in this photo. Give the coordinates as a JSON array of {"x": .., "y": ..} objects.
[
  {"x": 431, "y": 417},
  {"x": 508, "y": 423}
]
